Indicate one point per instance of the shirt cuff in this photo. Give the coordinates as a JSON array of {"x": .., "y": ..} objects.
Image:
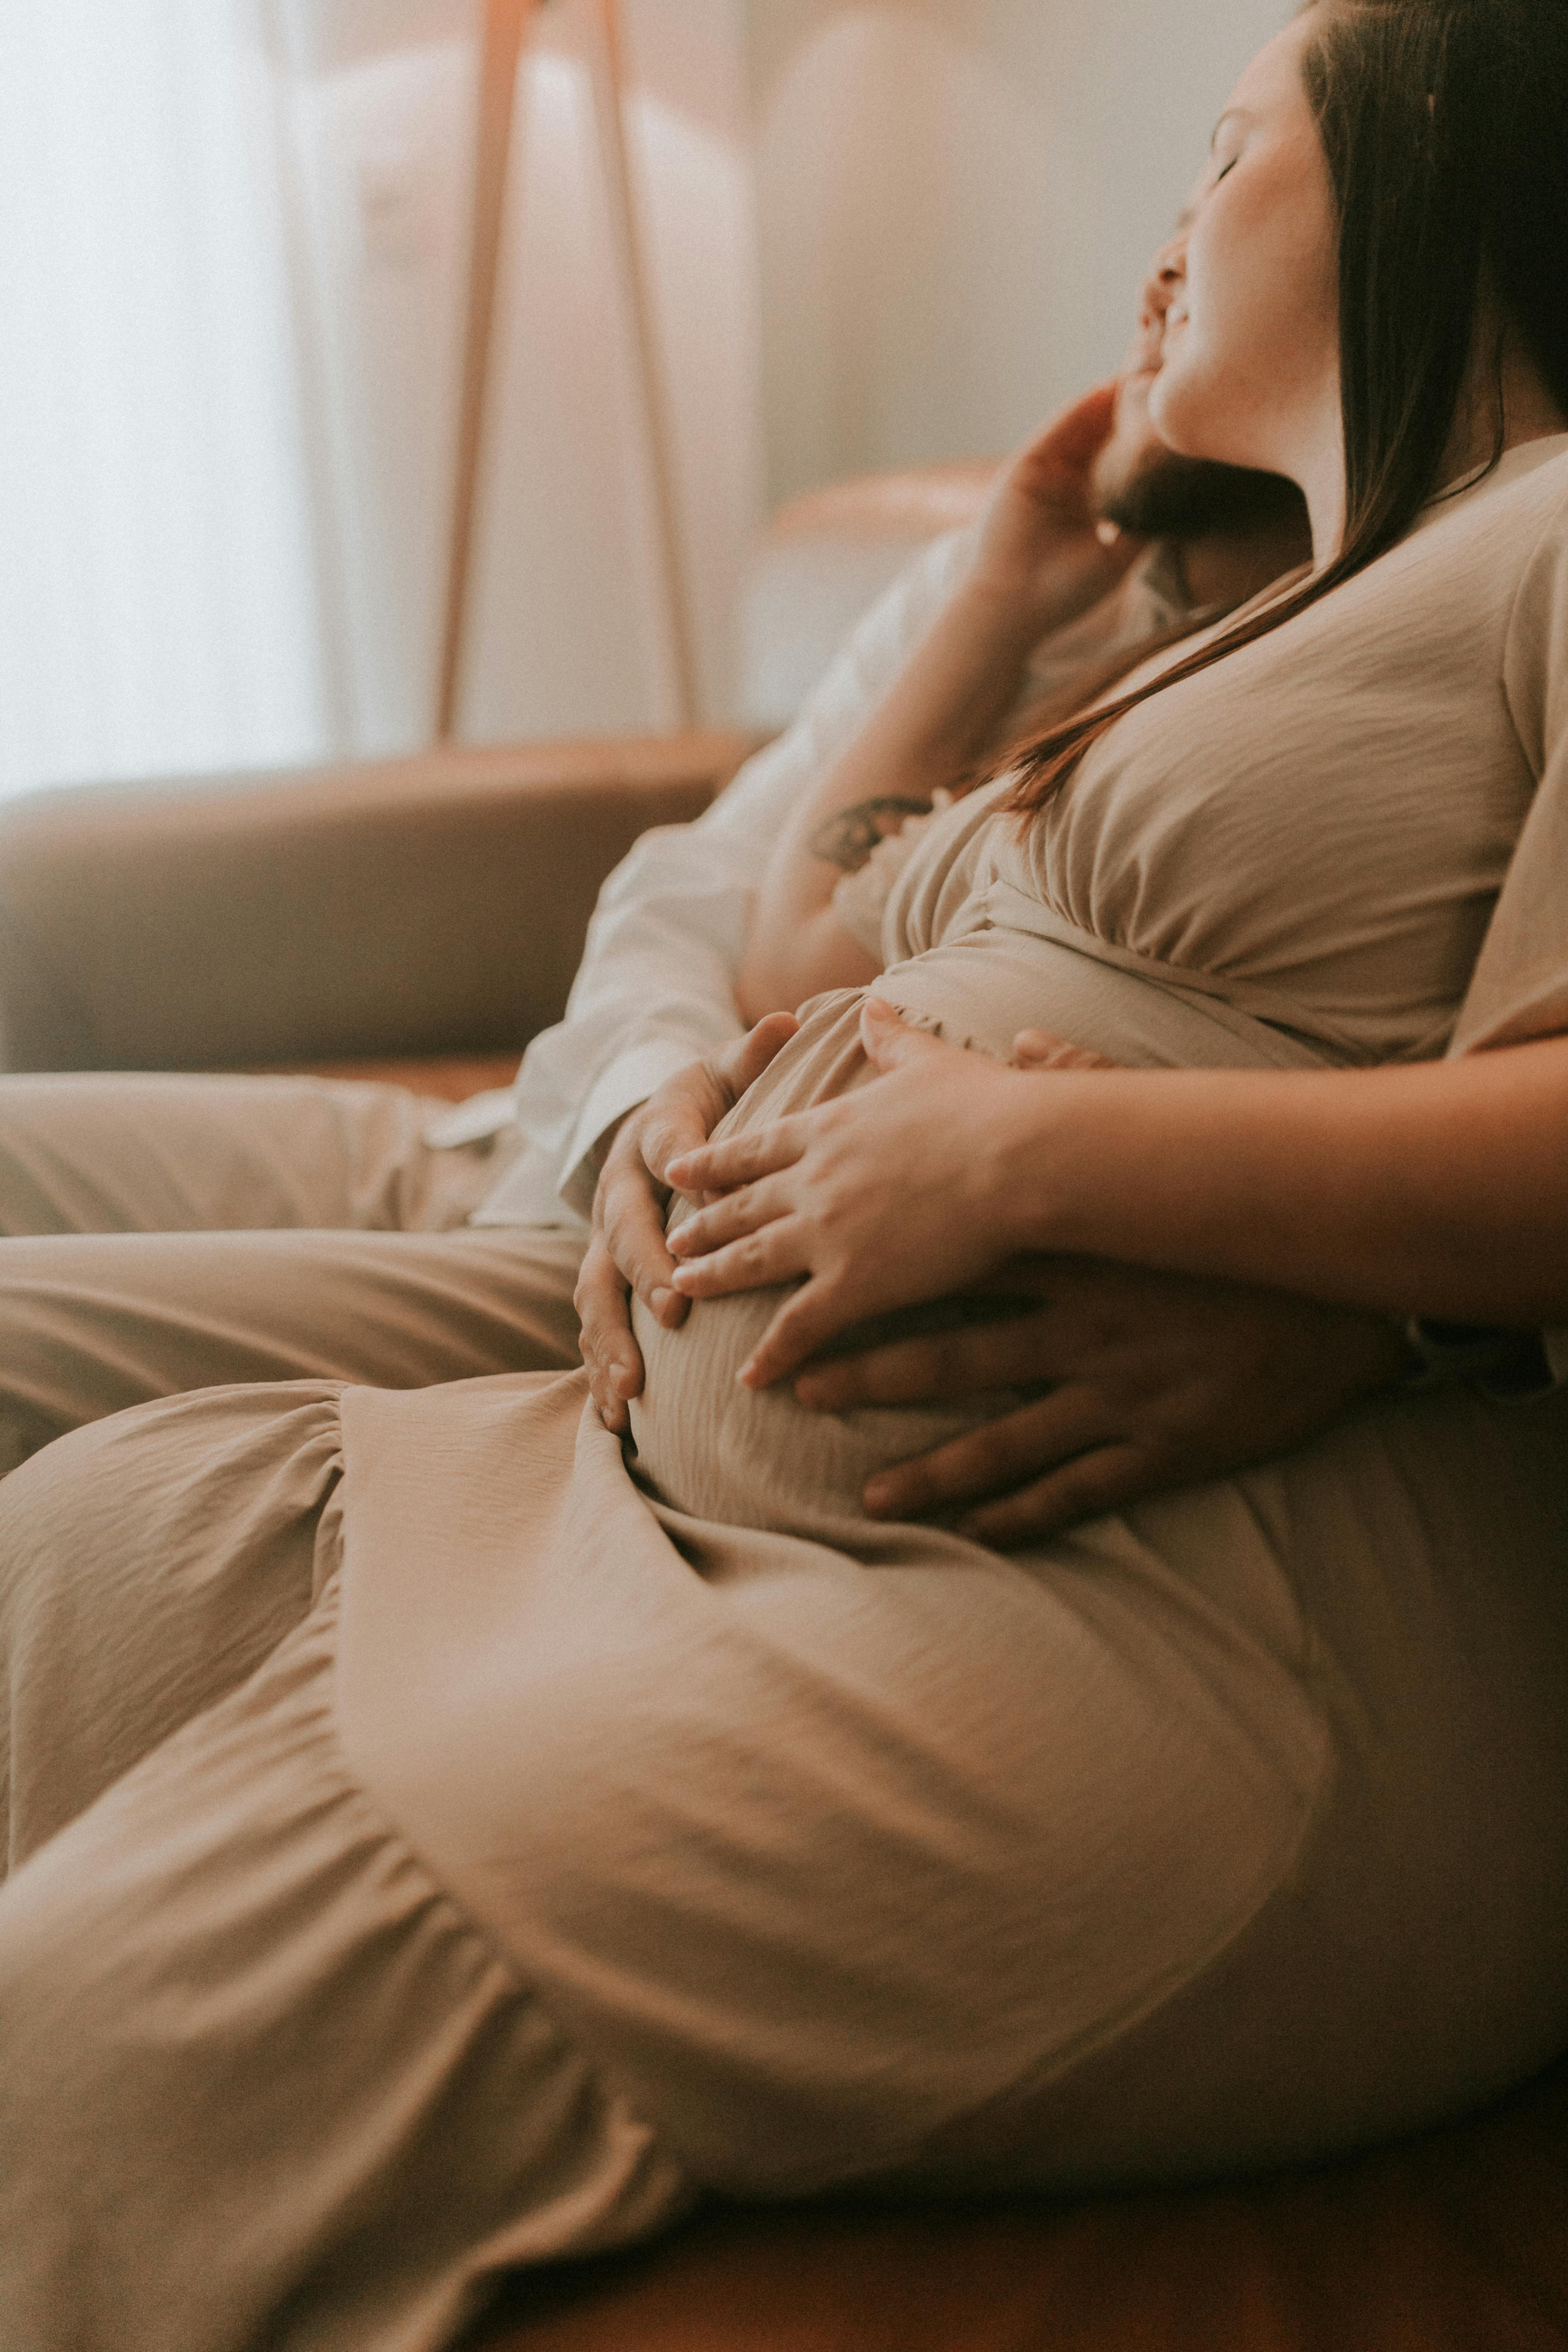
[{"x": 628, "y": 1080}]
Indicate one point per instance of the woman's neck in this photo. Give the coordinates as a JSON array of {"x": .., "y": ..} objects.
[{"x": 1505, "y": 402}]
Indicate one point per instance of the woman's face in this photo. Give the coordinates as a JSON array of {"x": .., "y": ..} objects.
[{"x": 1250, "y": 363}]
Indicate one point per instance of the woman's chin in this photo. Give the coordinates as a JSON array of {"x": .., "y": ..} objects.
[
  {"x": 1184, "y": 411},
  {"x": 1190, "y": 413}
]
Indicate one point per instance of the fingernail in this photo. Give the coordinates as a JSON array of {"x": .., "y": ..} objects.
[
  {"x": 1108, "y": 532},
  {"x": 662, "y": 1298}
]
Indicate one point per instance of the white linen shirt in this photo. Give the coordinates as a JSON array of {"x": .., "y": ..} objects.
[{"x": 655, "y": 991}]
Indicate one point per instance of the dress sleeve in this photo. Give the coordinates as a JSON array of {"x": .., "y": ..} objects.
[{"x": 1519, "y": 986}]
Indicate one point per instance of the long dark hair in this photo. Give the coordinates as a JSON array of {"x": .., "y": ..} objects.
[{"x": 1444, "y": 124}]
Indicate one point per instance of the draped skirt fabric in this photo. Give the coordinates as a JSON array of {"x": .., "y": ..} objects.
[
  {"x": 440, "y": 1852},
  {"x": 442, "y": 1841},
  {"x": 262, "y": 2080}
]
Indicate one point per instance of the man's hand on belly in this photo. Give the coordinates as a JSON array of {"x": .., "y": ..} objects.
[
  {"x": 1155, "y": 1382},
  {"x": 628, "y": 1251}
]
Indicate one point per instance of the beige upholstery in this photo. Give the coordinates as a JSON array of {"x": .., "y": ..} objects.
[
  {"x": 825, "y": 558},
  {"x": 412, "y": 908},
  {"x": 910, "y": 506}
]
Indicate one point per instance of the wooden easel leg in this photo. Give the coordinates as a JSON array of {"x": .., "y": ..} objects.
[
  {"x": 504, "y": 24},
  {"x": 631, "y": 268}
]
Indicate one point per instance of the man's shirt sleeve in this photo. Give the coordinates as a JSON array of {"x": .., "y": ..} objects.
[{"x": 655, "y": 987}]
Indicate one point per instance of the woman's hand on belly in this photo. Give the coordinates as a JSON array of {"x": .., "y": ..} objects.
[
  {"x": 903, "y": 1190},
  {"x": 626, "y": 1252},
  {"x": 1155, "y": 1382}
]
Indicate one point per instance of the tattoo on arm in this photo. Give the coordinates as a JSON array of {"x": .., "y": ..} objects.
[{"x": 847, "y": 838}]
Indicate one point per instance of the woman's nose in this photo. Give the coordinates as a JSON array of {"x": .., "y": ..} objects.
[{"x": 1163, "y": 283}]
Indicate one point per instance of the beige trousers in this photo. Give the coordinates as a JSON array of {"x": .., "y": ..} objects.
[{"x": 168, "y": 1234}]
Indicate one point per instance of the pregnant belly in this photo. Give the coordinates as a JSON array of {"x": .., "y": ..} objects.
[
  {"x": 719, "y": 1450},
  {"x": 757, "y": 1458}
]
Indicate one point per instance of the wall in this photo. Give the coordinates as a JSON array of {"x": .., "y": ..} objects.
[
  {"x": 957, "y": 198},
  {"x": 233, "y": 274}
]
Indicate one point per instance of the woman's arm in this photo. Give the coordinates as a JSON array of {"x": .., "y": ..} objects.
[
  {"x": 1039, "y": 564},
  {"x": 1440, "y": 1190}
]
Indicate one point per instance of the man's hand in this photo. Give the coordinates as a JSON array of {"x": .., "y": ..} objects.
[
  {"x": 1040, "y": 546},
  {"x": 628, "y": 1250},
  {"x": 1156, "y": 1383}
]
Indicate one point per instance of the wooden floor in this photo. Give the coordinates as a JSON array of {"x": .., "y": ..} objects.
[{"x": 1455, "y": 2242}]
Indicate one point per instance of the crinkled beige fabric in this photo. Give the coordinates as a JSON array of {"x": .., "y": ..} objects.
[
  {"x": 1315, "y": 839},
  {"x": 658, "y": 1853},
  {"x": 1321, "y": 825},
  {"x": 1129, "y": 1750},
  {"x": 861, "y": 1852},
  {"x": 261, "y": 2080},
  {"x": 166, "y": 1234}
]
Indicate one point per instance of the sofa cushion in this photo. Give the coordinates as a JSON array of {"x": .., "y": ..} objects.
[{"x": 451, "y": 1077}]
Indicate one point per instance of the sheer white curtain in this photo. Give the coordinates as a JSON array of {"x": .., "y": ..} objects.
[
  {"x": 233, "y": 251},
  {"x": 160, "y": 602}
]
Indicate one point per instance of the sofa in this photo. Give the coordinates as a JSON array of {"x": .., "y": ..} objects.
[{"x": 419, "y": 919}]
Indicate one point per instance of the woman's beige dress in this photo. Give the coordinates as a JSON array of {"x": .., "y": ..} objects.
[{"x": 443, "y": 1845}]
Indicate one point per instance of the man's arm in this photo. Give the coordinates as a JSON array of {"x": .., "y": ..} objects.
[
  {"x": 1039, "y": 564},
  {"x": 1141, "y": 1383},
  {"x": 656, "y": 989}
]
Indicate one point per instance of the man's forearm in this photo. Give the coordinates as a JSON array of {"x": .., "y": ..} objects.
[
  {"x": 656, "y": 987},
  {"x": 939, "y": 719}
]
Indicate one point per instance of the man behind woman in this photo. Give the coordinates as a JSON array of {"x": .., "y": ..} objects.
[{"x": 598, "y": 1835}]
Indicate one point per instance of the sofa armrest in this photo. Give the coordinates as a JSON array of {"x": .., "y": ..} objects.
[{"x": 406, "y": 906}]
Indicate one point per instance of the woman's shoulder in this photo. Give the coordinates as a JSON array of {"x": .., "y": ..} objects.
[
  {"x": 1507, "y": 506},
  {"x": 1452, "y": 585},
  {"x": 1535, "y": 648}
]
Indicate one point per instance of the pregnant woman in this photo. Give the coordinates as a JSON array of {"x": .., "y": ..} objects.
[{"x": 447, "y": 1842}]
